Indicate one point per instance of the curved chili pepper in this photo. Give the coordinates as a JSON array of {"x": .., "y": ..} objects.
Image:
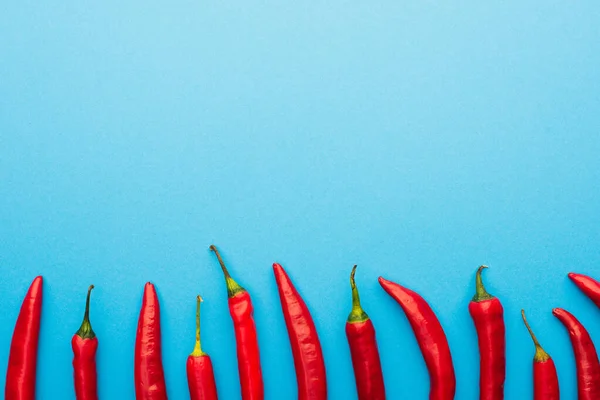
[
  {"x": 363, "y": 349},
  {"x": 22, "y": 361},
  {"x": 306, "y": 348},
  {"x": 488, "y": 316},
  {"x": 586, "y": 358},
  {"x": 200, "y": 374},
  {"x": 248, "y": 355},
  {"x": 430, "y": 337},
  {"x": 148, "y": 369},
  {"x": 85, "y": 344},
  {"x": 589, "y": 286},
  {"x": 545, "y": 379}
]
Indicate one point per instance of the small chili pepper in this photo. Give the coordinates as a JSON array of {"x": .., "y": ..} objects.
[
  {"x": 589, "y": 286},
  {"x": 430, "y": 337},
  {"x": 545, "y": 379},
  {"x": 586, "y": 358},
  {"x": 363, "y": 349},
  {"x": 148, "y": 369},
  {"x": 200, "y": 374},
  {"x": 22, "y": 361},
  {"x": 85, "y": 344},
  {"x": 488, "y": 316},
  {"x": 248, "y": 355},
  {"x": 304, "y": 341}
]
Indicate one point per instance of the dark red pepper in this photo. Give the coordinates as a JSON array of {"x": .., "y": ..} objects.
[
  {"x": 200, "y": 374},
  {"x": 149, "y": 376},
  {"x": 589, "y": 286},
  {"x": 248, "y": 355},
  {"x": 22, "y": 361},
  {"x": 430, "y": 337},
  {"x": 85, "y": 344},
  {"x": 488, "y": 316},
  {"x": 545, "y": 379},
  {"x": 586, "y": 358},
  {"x": 306, "y": 347},
  {"x": 363, "y": 349}
]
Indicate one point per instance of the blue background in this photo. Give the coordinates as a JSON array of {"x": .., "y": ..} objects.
[{"x": 416, "y": 139}]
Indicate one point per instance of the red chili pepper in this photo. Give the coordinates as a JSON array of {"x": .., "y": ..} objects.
[
  {"x": 20, "y": 375},
  {"x": 248, "y": 355},
  {"x": 148, "y": 369},
  {"x": 589, "y": 286},
  {"x": 85, "y": 344},
  {"x": 545, "y": 379},
  {"x": 200, "y": 374},
  {"x": 586, "y": 358},
  {"x": 363, "y": 349},
  {"x": 488, "y": 316},
  {"x": 306, "y": 348},
  {"x": 430, "y": 337}
]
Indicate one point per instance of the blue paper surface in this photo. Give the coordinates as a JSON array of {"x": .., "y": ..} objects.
[{"x": 415, "y": 139}]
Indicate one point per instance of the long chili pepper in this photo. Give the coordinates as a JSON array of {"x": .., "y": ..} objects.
[
  {"x": 148, "y": 369},
  {"x": 586, "y": 358},
  {"x": 488, "y": 316},
  {"x": 22, "y": 361},
  {"x": 306, "y": 348},
  {"x": 589, "y": 286},
  {"x": 200, "y": 374},
  {"x": 430, "y": 337},
  {"x": 248, "y": 355},
  {"x": 85, "y": 344},
  {"x": 363, "y": 349},
  {"x": 545, "y": 379}
]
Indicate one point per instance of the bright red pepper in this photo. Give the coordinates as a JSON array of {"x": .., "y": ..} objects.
[
  {"x": 586, "y": 358},
  {"x": 430, "y": 337},
  {"x": 589, "y": 286},
  {"x": 85, "y": 344},
  {"x": 22, "y": 361},
  {"x": 149, "y": 376},
  {"x": 200, "y": 374},
  {"x": 248, "y": 355},
  {"x": 488, "y": 316},
  {"x": 545, "y": 379},
  {"x": 363, "y": 349},
  {"x": 306, "y": 347}
]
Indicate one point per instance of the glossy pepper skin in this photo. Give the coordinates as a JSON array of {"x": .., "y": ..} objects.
[
  {"x": 304, "y": 341},
  {"x": 149, "y": 376},
  {"x": 200, "y": 374},
  {"x": 430, "y": 337},
  {"x": 363, "y": 349},
  {"x": 488, "y": 316},
  {"x": 589, "y": 286},
  {"x": 85, "y": 344},
  {"x": 586, "y": 358},
  {"x": 22, "y": 361},
  {"x": 545, "y": 379},
  {"x": 248, "y": 354}
]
